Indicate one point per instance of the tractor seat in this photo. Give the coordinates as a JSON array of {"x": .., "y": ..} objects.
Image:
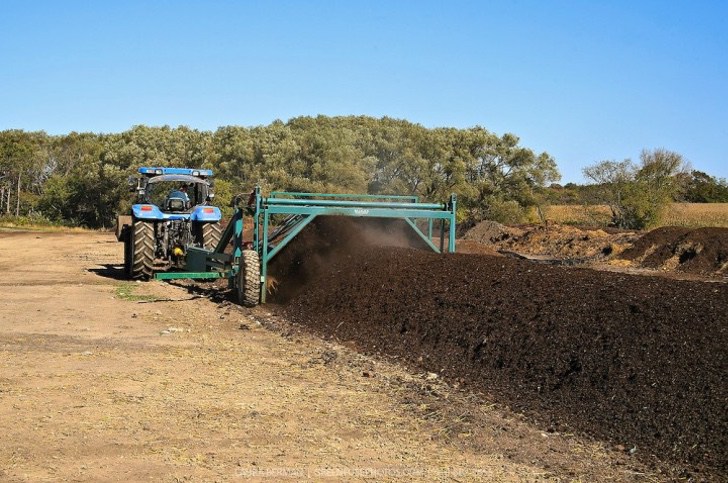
[{"x": 177, "y": 201}]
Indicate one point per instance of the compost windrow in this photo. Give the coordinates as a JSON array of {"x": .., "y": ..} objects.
[
  {"x": 331, "y": 238},
  {"x": 697, "y": 250},
  {"x": 637, "y": 361}
]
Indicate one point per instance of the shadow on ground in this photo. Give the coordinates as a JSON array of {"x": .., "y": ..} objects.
[
  {"x": 211, "y": 290},
  {"x": 114, "y": 272}
]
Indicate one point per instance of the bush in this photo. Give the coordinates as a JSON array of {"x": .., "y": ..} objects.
[
  {"x": 638, "y": 194},
  {"x": 31, "y": 219},
  {"x": 506, "y": 212}
]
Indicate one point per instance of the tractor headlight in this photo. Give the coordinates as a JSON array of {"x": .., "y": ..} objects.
[
  {"x": 158, "y": 171},
  {"x": 195, "y": 173}
]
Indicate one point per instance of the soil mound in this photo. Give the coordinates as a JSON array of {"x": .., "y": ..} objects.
[
  {"x": 491, "y": 232},
  {"x": 637, "y": 361},
  {"x": 551, "y": 240},
  {"x": 325, "y": 240},
  {"x": 701, "y": 251}
]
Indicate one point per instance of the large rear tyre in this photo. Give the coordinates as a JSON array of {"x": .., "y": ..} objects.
[
  {"x": 211, "y": 234},
  {"x": 249, "y": 279},
  {"x": 142, "y": 250},
  {"x": 207, "y": 235}
]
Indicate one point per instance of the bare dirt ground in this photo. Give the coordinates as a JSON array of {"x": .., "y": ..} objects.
[{"x": 102, "y": 380}]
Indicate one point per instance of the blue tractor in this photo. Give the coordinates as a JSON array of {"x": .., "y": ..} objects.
[{"x": 173, "y": 212}]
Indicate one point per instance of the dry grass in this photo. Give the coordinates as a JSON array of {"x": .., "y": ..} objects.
[
  {"x": 678, "y": 214},
  {"x": 697, "y": 214},
  {"x": 594, "y": 215},
  {"x": 8, "y": 227}
]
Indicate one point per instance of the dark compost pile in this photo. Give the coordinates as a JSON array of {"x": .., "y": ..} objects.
[
  {"x": 700, "y": 250},
  {"x": 637, "y": 361}
]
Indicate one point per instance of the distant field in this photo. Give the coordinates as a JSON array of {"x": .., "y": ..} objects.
[{"x": 678, "y": 214}]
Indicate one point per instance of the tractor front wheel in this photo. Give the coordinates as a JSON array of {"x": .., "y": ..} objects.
[
  {"x": 249, "y": 279},
  {"x": 142, "y": 250}
]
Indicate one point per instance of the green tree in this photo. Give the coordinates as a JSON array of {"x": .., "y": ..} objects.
[
  {"x": 638, "y": 194},
  {"x": 81, "y": 188},
  {"x": 502, "y": 173},
  {"x": 328, "y": 158},
  {"x": 700, "y": 187},
  {"x": 23, "y": 157}
]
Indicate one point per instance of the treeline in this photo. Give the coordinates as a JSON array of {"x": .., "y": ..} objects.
[
  {"x": 693, "y": 187},
  {"x": 81, "y": 178}
]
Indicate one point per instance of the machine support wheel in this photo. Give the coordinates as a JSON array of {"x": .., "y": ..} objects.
[
  {"x": 142, "y": 248},
  {"x": 249, "y": 279}
]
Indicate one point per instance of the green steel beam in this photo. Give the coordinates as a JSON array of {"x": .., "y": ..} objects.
[
  {"x": 264, "y": 256},
  {"x": 453, "y": 209},
  {"x": 237, "y": 222},
  {"x": 294, "y": 231},
  {"x": 358, "y": 212},
  {"x": 195, "y": 275},
  {"x": 442, "y": 236},
  {"x": 413, "y": 198},
  {"x": 422, "y": 235},
  {"x": 256, "y": 218},
  {"x": 228, "y": 232},
  {"x": 270, "y": 202},
  {"x": 285, "y": 227}
]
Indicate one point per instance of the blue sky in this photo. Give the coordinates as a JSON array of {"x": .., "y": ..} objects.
[{"x": 583, "y": 80}]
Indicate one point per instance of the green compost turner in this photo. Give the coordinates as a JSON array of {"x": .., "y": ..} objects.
[{"x": 245, "y": 263}]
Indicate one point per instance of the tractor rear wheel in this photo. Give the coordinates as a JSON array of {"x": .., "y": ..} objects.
[
  {"x": 142, "y": 250},
  {"x": 211, "y": 234},
  {"x": 207, "y": 235},
  {"x": 249, "y": 279},
  {"x": 128, "y": 262}
]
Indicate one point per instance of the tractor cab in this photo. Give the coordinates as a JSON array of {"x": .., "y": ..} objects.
[{"x": 174, "y": 190}]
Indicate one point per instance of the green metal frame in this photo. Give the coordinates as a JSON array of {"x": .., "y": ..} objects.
[{"x": 300, "y": 209}]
